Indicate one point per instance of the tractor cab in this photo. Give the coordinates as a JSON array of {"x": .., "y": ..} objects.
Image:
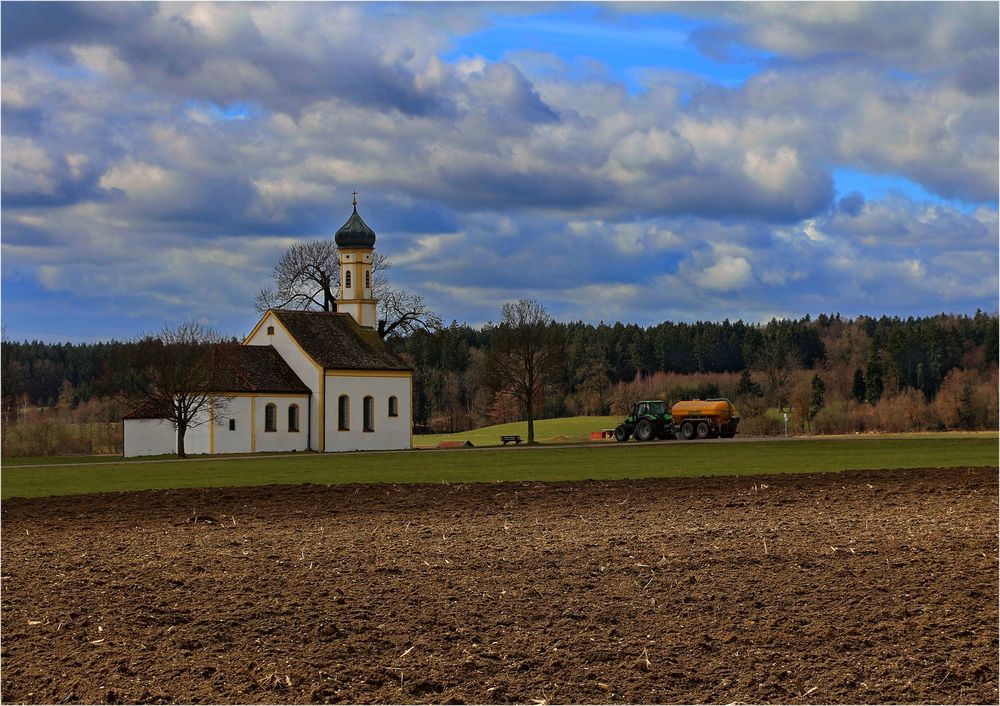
[
  {"x": 656, "y": 408},
  {"x": 648, "y": 420}
]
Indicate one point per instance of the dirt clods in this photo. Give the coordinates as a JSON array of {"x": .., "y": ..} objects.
[{"x": 860, "y": 587}]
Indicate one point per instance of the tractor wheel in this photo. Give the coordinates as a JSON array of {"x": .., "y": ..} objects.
[
  {"x": 702, "y": 430},
  {"x": 687, "y": 431},
  {"x": 644, "y": 430},
  {"x": 621, "y": 433}
]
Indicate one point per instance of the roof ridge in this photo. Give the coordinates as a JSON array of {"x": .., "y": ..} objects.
[{"x": 311, "y": 312}]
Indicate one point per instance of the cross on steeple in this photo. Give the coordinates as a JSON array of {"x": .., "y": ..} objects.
[{"x": 354, "y": 200}]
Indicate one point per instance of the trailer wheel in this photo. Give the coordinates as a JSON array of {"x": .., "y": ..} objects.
[
  {"x": 644, "y": 430},
  {"x": 621, "y": 433},
  {"x": 687, "y": 431},
  {"x": 702, "y": 430}
]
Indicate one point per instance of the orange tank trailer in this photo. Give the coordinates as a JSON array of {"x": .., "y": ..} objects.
[{"x": 705, "y": 419}]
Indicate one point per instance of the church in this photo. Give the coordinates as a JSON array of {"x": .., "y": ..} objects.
[{"x": 302, "y": 380}]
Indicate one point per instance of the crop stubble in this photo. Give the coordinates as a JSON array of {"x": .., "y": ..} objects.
[{"x": 874, "y": 586}]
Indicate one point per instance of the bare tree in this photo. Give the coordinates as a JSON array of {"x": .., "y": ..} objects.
[
  {"x": 773, "y": 352},
  {"x": 308, "y": 277},
  {"x": 526, "y": 355},
  {"x": 171, "y": 374},
  {"x": 400, "y": 312}
]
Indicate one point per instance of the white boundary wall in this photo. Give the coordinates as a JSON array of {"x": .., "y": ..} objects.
[{"x": 149, "y": 437}]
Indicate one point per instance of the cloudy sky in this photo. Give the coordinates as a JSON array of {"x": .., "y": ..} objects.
[{"x": 620, "y": 162}]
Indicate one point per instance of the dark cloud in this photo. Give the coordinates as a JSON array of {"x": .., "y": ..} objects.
[
  {"x": 852, "y": 203},
  {"x": 28, "y": 25}
]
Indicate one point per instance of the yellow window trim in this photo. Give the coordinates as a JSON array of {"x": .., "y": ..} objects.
[
  {"x": 321, "y": 444},
  {"x": 253, "y": 426}
]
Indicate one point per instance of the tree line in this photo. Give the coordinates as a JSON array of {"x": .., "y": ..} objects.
[
  {"x": 863, "y": 358},
  {"x": 457, "y": 386}
]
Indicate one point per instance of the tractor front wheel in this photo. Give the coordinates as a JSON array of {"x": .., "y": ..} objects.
[
  {"x": 621, "y": 433},
  {"x": 644, "y": 430}
]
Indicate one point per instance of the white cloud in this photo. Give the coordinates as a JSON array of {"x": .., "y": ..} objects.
[{"x": 727, "y": 274}]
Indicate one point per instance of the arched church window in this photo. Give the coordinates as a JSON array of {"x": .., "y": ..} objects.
[
  {"x": 271, "y": 418},
  {"x": 347, "y": 279},
  {"x": 369, "y": 414},
  {"x": 344, "y": 413},
  {"x": 393, "y": 406},
  {"x": 293, "y": 417}
]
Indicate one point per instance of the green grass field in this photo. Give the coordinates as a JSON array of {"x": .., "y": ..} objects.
[
  {"x": 547, "y": 431},
  {"x": 600, "y": 461},
  {"x": 576, "y": 429}
]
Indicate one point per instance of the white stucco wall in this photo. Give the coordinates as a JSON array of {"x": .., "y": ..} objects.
[
  {"x": 308, "y": 372},
  {"x": 149, "y": 437},
  {"x": 390, "y": 432},
  {"x": 237, "y": 441},
  {"x": 146, "y": 437},
  {"x": 282, "y": 439}
]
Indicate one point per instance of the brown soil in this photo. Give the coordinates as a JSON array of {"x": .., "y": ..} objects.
[{"x": 853, "y": 587}]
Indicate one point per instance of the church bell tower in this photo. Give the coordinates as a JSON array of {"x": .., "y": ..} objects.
[{"x": 356, "y": 242}]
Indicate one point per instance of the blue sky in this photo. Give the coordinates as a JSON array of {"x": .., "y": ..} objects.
[{"x": 628, "y": 162}]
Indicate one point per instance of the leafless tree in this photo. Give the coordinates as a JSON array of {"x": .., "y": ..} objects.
[
  {"x": 772, "y": 352},
  {"x": 170, "y": 374},
  {"x": 526, "y": 354},
  {"x": 400, "y": 312},
  {"x": 308, "y": 277}
]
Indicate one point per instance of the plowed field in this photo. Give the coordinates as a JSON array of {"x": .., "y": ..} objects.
[{"x": 840, "y": 587}]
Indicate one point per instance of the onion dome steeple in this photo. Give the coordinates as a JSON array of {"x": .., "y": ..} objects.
[{"x": 355, "y": 233}]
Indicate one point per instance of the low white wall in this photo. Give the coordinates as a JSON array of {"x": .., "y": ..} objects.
[{"x": 149, "y": 437}]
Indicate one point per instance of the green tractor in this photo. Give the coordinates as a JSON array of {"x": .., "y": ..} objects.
[{"x": 648, "y": 420}]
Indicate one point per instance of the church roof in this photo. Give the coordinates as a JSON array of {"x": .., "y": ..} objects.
[
  {"x": 355, "y": 233},
  {"x": 236, "y": 369},
  {"x": 336, "y": 342},
  {"x": 149, "y": 409},
  {"x": 240, "y": 368}
]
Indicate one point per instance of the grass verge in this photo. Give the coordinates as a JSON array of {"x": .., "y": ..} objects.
[{"x": 658, "y": 460}]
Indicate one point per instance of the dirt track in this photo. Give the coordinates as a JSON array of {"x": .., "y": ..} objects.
[{"x": 854, "y": 587}]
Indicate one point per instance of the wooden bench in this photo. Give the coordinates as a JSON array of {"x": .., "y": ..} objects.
[{"x": 516, "y": 438}]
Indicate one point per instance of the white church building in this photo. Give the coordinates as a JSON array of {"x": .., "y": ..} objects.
[{"x": 303, "y": 380}]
